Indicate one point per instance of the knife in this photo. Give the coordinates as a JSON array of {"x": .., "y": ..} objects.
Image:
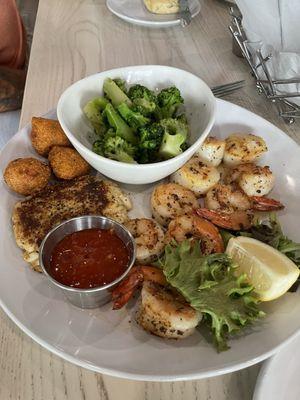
[{"x": 184, "y": 13}]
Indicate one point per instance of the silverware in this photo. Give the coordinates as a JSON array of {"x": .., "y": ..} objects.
[
  {"x": 85, "y": 298},
  {"x": 223, "y": 90},
  {"x": 184, "y": 13}
]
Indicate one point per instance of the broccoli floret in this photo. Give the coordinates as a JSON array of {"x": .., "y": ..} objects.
[
  {"x": 93, "y": 111},
  {"x": 121, "y": 84},
  {"x": 114, "y": 147},
  {"x": 174, "y": 138},
  {"x": 169, "y": 100},
  {"x": 120, "y": 126},
  {"x": 150, "y": 141},
  {"x": 110, "y": 133},
  {"x": 114, "y": 93},
  {"x": 132, "y": 117},
  {"x": 117, "y": 148},
  {"x": 98, "y": 147},
  {"x": 144, "y": 99}
]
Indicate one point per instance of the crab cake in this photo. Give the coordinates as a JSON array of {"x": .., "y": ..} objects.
[
  {"x": 67, "y": 163},
  {"x": 26, "y": 175},
  {"x": 35, "y": 216},
  {"x": 46, "y": 133}
]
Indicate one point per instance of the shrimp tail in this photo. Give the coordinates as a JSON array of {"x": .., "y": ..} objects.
[
  {"x": 125, "y": 290},
  {"x": 138, "y": 274},
  {"x": 208, "y": 232},
  {"x": 236, "y": 220},
  {"x": 262, "y": 203}
]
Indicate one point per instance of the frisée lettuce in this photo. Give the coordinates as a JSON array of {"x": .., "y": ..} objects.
[
  {"x": 209, "y": 285},
  {"x": 269, "y": 231}
]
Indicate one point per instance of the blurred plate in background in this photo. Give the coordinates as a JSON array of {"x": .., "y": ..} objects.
[
  {"x": 135, "y": 12},
  {"x": 279, "y": 376}
]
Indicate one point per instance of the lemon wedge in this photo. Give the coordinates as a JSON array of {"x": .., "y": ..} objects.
[{"x": 269, "y": 271}]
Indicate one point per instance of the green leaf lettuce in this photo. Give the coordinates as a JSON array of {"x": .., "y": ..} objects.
[{"x": 209, "y": 284}]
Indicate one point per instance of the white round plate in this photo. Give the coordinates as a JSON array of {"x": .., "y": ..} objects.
[
  {"x": 110, "y": 341},
  {"x": 279, "y": 376},
  {"x": 135, "y": 12}
]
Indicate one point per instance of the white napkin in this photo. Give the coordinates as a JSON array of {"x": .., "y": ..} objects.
[{"x": 276, "y": 24}]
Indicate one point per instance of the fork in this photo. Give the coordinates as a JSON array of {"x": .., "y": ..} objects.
[
  {"x": 184, "y": 13},
  {"x": 223, "y": 90}
]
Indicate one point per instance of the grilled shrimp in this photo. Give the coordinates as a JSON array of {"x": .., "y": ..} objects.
[
  {"x": 211, "y": 151},
  {"x": 169, "y": 200},
  {"x": 162, "y": 311},
  {"x": 196, "y": 176},
  {"x": 192, "y": 226},
  {"x": 241, "y": 149},
  {"x": 227, "y": 206},
  {"x": 149, "y": 239},
  {"x": 235, "y": 220},
  {"x": 166, "y": 314},
  {"x": 228, "y": 198},
  {"x": 125, "y": 290},
  {"x": 254, "y": 180}
]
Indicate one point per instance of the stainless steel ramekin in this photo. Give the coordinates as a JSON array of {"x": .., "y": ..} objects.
[{"x": 85, "y": 298}]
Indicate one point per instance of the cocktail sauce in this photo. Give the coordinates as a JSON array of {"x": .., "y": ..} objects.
[{"x": 89, "y": 258}]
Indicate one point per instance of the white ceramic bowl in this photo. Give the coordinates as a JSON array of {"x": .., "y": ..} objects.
[{"x": 200, "y": 109}]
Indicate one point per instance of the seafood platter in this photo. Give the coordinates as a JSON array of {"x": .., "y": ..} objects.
[{"x": 182, "y": 277}]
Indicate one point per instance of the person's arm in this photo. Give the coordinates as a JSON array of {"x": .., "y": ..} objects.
[{"x": 12, "y": 84}]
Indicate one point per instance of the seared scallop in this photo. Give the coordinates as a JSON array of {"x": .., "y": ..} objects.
[
  {"x": 254, "y": 180},
  {"x": 211, "y": 151},
  {"x": 241, "y": 149},
  {"x": 196, "y": 176},
  {"x": 166, "y": 314}
]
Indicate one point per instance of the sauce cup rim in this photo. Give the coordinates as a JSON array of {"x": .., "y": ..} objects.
[{"x": 98, "y": 288}]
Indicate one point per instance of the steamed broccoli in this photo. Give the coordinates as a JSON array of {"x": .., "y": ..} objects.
[
  {"x": 136, "y": 125},
  {"x": 133, "y": 118},
  {"x": 93, "y": 111},
  {"x": 98, "y": 147},
  {"x": 121, "y": 84},
  {"x": 116, "y": 122},
  {"x": 150, "y": 140},
  {"x": 174, "y": 138},
  {"x": 114, "y": 93},
  {"x": 143, "y": 98},
  {"x": 115, "y": 148},
  {"x": 169, "y": 100},
  {"x": 119, "y": 149}
]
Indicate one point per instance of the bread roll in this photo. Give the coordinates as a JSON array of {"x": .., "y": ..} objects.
[{"x": 162, "y": 6}]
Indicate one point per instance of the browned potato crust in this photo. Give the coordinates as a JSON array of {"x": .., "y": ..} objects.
[
  {"x": 26, "y": 175},
  {"x": 46, "y": 133},
  {"x": 67, "y": 163}
]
